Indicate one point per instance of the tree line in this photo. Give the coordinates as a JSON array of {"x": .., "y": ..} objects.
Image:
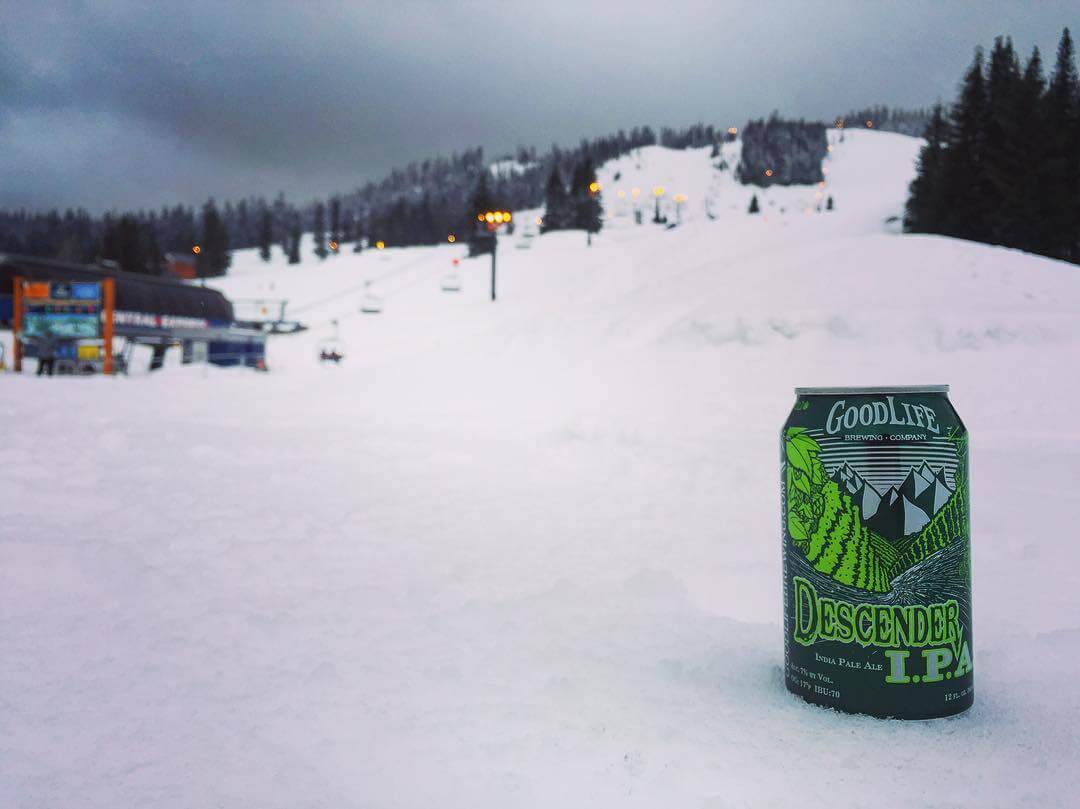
[
  {"x": 906, "y": 122},
  {"x": 138, "y": 240},
  {"x": 1002, "y": 165},
  {"x": 420, "y": 203},
  {"x": 779, "y": 152},
  {"x": 577, "y": 207}
]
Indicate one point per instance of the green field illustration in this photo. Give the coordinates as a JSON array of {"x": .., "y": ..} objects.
[{"x": 827, "y": 524}]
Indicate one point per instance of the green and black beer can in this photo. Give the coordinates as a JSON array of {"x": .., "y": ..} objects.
[{"x": 877, "y": 552}]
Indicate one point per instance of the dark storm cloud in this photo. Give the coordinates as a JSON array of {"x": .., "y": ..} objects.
[{"x": 126, "y": 104}]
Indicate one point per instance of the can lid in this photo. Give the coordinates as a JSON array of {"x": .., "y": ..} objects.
[{"x": 882, "y": 389}]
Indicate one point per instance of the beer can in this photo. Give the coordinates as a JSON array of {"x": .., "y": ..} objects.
[{"x": 877, "y": 551}]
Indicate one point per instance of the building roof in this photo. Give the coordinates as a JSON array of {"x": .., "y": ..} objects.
[{"x": 134, "y": 292}]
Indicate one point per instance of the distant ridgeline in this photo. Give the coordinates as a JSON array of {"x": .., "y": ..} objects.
[
  {"x": 905, "y": 122},
  {"x": 778, "y": 152},
  {"x": 1002, "y": 164}
]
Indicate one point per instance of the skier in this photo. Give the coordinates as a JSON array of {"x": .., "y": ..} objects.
[{"x": 46, "y": 351}]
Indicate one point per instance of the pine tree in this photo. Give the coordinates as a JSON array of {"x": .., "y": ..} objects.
[
  {"x": 318, "y": 230},
  {"x": 588, "y": 210},
  {"x": 348, "y": 228},
  {"x": 925, "y": 207},
  {"x": 1000, "y": 170},
  {"x": 150, "y": 248},
  {"x": 555, "y": 203},
  {"x": 294, "y": 241},
  {"x": 213, "y": 258},
  {"x": 754, "y": 207},
  {"x": 1015, "y": 166},
  {"x": 266, "y": 235},
  {"x": 481, "y": 241},
  {"x": 965, "y": 209},
  {"x": 132, "y": 246},
  {"x": 1061, "y": 194},
  {"x": 335, "y": 221},
  {"x": 109, "y": 242},
  {"x": 481, "y": 201}
]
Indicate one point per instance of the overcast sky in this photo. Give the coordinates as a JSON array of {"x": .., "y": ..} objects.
[{"x": 116, "y": 104}]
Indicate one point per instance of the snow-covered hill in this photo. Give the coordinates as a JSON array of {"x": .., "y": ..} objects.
[{"x": 527, "y": 553}]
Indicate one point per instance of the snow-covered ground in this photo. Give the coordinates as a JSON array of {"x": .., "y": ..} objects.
[{"x": 527, "y": 554}]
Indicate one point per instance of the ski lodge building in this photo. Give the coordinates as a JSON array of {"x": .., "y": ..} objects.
[{"x": 80, "y": 311}]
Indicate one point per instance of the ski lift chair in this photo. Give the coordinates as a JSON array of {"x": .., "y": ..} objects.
[
  {"x": 332, "y": 349},
  {"x": 370, "y": 303},
  {"x": 451, "y": 282}
]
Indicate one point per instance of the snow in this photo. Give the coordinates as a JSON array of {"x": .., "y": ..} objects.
[
  {"x": 508, "y": 167},
  {"x": 527, "y": 553}
]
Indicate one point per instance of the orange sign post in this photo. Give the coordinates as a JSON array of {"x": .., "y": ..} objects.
[
  {"x": 108, "y": 294},
  {"x": 16, "y": 327},
  {"x": 70, "y": 311}
]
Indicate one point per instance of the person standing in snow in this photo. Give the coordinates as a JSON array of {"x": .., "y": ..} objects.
[{"x": 46, "y": 351}]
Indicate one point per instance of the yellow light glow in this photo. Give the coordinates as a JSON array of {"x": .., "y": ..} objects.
[
  {"x": 539, "y": 220},
  {"x": 196, "y": 249},
  {"x": 380, "y": 245},
  {"x": 733, "y": 130},
  {"x": 333, "y": 246},
  {"x": 622, "y": 194},
  {"x": 768, "y": 172},
  {"x": 489, "y": 217},
  {"x": 594, "y": 187},
  {"x": 680, "y": 198},
  {"x": 498, "y": 217},
  {"x": 506, "y": 216},
  {"x": 479, "y": 217},
  {"x": 451, "y": 238},
  {"x": 828, "y": 148},
  {"x": 658, "y": 190},
  {"x": 634, "y": 192}
]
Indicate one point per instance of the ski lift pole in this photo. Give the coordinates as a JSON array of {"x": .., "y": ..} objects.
[
  {"x": 492, "y": 221},
  {"x": 594, "y": 190}
]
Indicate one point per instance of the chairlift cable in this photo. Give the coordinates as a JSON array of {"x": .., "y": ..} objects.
[{"x": 339, "y": 293}]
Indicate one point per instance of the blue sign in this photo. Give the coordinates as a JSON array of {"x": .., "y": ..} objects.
[
  {"x": 86, "y": 291},
  {"x": 63, "y": 324}
]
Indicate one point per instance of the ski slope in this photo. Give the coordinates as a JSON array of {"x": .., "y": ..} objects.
[{"x": 527, "y": 553}]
